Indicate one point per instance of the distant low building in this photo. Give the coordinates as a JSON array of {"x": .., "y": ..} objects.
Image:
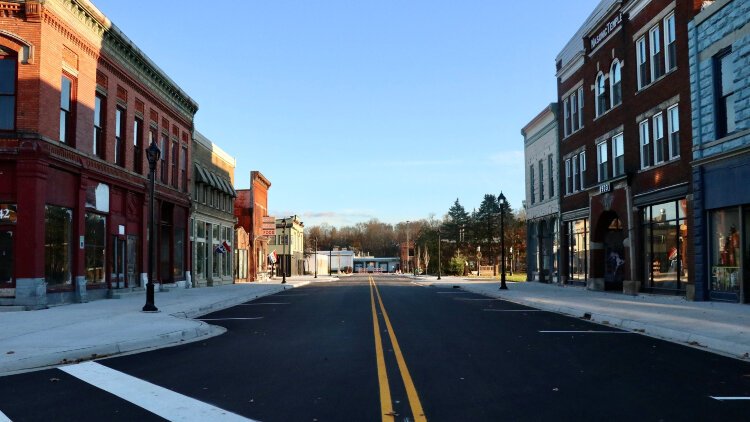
[{"x": 289, "y": 245}]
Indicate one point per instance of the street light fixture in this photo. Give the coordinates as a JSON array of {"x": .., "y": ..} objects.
[
  {"x": 408, "y": 254},
  {"x": 503, "y": 203},
  {"x": 153, "y": 153},
  {"x": 316, "y": 257},
  {"x": 440, "y": 258},
  {"x": 282, "y": 263}
]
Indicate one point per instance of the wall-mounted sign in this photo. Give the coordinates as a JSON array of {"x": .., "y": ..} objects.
[
  {"x": 97, "y": 197},
  {"x": 607, "y": 29},
  {"x": 269, "y": 226},
  {"x": 605, "y": 187},
  {"x": 8, "y": 213}
]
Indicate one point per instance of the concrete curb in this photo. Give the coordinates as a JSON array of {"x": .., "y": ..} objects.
[
  {"x": 702, "y": 342},
  {"x": 200, "y": 331}
]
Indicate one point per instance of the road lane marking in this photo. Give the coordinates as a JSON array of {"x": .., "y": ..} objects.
[
  {"x": 587, "y": 332},
  {"x": 460, "y": 298},
  {"x": 386, "y": 409},
  {"x": 297, "y": 294},
  {"x": 158, "y": 400},
  {"x": 4, "y": 418},
  {"x": 729, "y": 398},
  {"x": 228, "y": 319},
  {"x": 512, "y": 310},
  {"x": 453, "y": 293},
  {"x": 264, "y": 303},
  {"x": 411, "y": 391}
]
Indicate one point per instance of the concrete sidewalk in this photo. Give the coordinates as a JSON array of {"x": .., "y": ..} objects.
[
  {"x": 75, "y": 332},
  {"x": 717, "y": 327}
]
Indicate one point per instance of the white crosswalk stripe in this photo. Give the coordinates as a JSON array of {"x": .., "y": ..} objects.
[{"x": 158, "y": 400}]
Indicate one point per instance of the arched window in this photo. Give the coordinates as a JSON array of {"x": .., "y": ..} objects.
[
  {"x": 8, "y": 79},
  {"x": 601, "y": 94},
  {"x": 615, "y": 79}
]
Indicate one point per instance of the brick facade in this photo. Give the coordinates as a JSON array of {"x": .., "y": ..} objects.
[
  {"x": 633, "y": 180},
  {"x": 71, "y": 38}
]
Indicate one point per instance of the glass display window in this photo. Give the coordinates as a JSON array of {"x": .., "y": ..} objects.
[{"x": 725, "y": 260}]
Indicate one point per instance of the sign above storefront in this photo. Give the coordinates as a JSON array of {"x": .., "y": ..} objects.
[
  {"x": 8, "y": 213},
  {"x": 269, "y": 226},
  {"x": 607, "y": 29},
  {"x": 605, "y": 187}
]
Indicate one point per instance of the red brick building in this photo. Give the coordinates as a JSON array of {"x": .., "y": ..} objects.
[
  {"x": 80, "y": 103},
  {"x": 625, "y": 149},
  {"x": 250, "y": 208}
]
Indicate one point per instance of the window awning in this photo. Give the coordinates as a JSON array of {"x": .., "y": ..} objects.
[{"x": 217, "y": 182}]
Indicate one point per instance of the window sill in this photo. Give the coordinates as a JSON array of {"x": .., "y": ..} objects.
[
  {"x": 607, "y": 112},
  {"x": 662, "y": 164},
  {"x": 654, "y": 82}
]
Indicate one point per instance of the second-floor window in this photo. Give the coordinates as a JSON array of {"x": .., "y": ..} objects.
[
  {"x": 550, "y": 173},
  {"x": 673, "y": 131},
  {"x": 8, "y": 75},
  {"x": 602, "y": 159},
  {"x": 618, "y": 155},
  {"x": 183, "y": 169},
  {"x": 645, "y": 145},
  {"x": 164, "y": 147},
  {"x": 175, "y": 158},
  {"x": 658, "y": 128},
  {"x": 119, "y": 136},
  {"x": 532, "y": 184},
  {"x": 99, "y": 116},
  {"x": 138, "y": 146},
  {"x": 541, "y": 180},
  {"x": 725, "y": 93},
  {"x": 66, "y": 110}
]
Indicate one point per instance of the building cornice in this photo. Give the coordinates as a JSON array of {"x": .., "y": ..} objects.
[{"x": 115, "y": 44}]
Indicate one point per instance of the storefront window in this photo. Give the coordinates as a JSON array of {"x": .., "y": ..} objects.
[
  {"x": 200, "y": 258},
  {"x": 725, "y": 251},
  {"x": 665, "y": 231},
  {"x": 58, "y": 223},
  {"x": 95, "y": 248},
  {"x": 579, "y": 247},
  {"x": 227, "y": 257}
]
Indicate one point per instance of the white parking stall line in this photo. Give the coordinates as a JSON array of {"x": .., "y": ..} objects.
[
  {"x": 453, "y": 293},
  {"x": 228, "y": 319},
  {"x": 585, "y": 332},
  {"x": 729, "y": 398},
  {"x": 512, "y": 310},
  {"x": 264, "y": 303},
  {"x": 483, "y": 299},
  {"x": 4, "y": 418},
  {"x": 158, "y": 400}
]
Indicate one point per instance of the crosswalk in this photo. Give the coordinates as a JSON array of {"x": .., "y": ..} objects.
[{"x": 158, "y": 400}]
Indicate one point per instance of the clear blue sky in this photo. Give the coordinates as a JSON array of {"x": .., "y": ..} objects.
[{"x": 363, "y": 109}]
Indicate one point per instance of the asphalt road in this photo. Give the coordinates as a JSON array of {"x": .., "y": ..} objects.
[{"x": 312, "y": 354}]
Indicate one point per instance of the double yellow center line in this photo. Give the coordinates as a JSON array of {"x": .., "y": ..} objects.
[{"x": 386, "y": 404}]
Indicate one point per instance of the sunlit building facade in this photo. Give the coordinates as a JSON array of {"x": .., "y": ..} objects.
[
  {"x": 625, "y": 148},
  {"x": 79, "y": 103}
]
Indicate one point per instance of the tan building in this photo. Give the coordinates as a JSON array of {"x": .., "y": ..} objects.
[
  {"x": 289, "y": 245},
  {"x": 212, "y": 219}
]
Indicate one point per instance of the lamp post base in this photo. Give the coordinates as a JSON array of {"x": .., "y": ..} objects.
[{"x": 149, "y": 306}]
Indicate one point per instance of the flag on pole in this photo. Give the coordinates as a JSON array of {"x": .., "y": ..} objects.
[
  {"x": 220, "y": 249},
  {"x": 226, "y": 246}
]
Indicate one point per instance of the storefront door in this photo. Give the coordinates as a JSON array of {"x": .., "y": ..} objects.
[
  {"x": 614, "y": 255},
  {"x": 6, "y": 262},
  {"x": 131, "y": 262},
  {"x": 118, "y": 263}
]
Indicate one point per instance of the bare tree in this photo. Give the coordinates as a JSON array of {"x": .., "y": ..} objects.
[
  {"x": 426, "y": 258},
  {"x": 418, "y": 258}
]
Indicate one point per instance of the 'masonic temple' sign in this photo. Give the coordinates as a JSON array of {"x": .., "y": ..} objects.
[{"x": 608, "y": 28}]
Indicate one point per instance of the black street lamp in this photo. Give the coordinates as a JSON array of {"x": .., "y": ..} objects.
[
  {"x": 316, "y": 257},
  {"x": 503, "y": 203},
  {"x": 283, "y": 253},
  {"x": 440, "y": 258},
  {"x": 153, "y": 153}
]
